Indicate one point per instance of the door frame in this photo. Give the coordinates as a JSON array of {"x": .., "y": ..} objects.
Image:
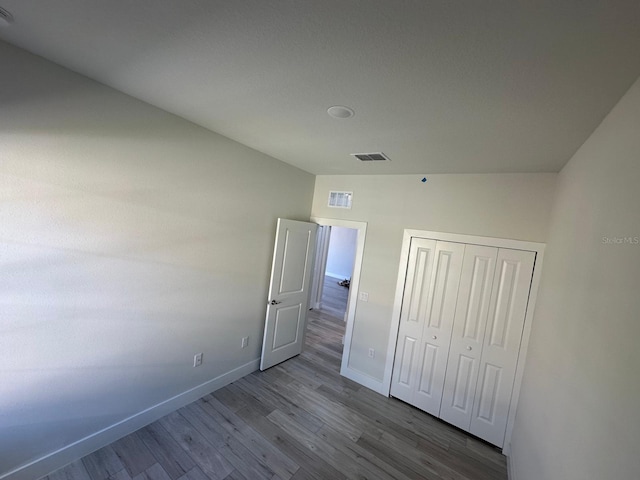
[
  {"x": 319, "y": 266},
  {"x": 361, "y": 227},
  {"x": 536, "y": 247}
]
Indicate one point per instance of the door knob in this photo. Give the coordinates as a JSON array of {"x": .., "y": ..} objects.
[
  {"x": 435, "y": 337},
  {"x": 274, "y": 302},
  {"x": 469, "y": 348}
]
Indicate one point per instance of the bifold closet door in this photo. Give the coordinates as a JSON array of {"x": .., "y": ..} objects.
[
  {"x": 507, "y": 311},
  {"x": 474, "y": 296},
  {"x": 426, "y": 320}
]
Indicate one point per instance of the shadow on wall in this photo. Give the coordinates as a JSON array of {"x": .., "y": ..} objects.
[
  {"x": 131, "y": 240},
  {"x": 76, "y": 329}
]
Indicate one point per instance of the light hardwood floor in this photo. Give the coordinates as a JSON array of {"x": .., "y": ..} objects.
[{"x": 298, "y": 420}]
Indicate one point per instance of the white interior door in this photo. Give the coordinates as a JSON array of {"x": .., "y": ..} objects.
[
  {"x": 469, "y": 325},
  {"x": 426, "y": 321},
  {"x": 288, "y": 291},
  {"x": 507, "y": 311},
  {"x": 414, "y": 311}
]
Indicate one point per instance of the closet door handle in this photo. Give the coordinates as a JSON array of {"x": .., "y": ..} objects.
[
  {"x": 435, "y": 337},
  {"x": 469, "y": 348}
]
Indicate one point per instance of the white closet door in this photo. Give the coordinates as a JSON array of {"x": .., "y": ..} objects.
[
  {"x": 426, "y": 321},
  {"x": 468, "y": 334},
  {"x": 509, "y": 298},
  {"x": 412, "y": 317},
  {"x": 436, "y": 336}
]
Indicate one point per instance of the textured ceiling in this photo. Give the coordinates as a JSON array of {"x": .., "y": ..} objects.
[{"x": 462, "y": 86}]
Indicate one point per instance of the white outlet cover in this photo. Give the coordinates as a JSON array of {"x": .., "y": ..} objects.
[
  {"x": 364, "y": 296},
  {"x": 197, "y": 359}
]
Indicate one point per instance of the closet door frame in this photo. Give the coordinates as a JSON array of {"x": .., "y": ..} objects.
[{"x": 536, "y": 247}]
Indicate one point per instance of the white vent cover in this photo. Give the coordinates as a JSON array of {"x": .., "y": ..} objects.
[
  {"x": 371, "y": 157},
  {"x": 340, "y": 199}
]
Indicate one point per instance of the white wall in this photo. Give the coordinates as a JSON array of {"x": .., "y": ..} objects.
[
  {"x": 342, "y": 252},
  {"x": 130, "y": 239},
  {"x": 506, "y": 206},
  {"x": 579, "y": 413}
]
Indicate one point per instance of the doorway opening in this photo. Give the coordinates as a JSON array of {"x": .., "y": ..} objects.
[
  {"x": 296, "y": 287},
  {"x": 327, "y": 319},
  {"x": 332, "y": 320},
  {"x": 341, "y": 255}
]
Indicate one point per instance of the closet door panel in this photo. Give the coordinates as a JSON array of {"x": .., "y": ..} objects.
[
  {"x": 436, "y": 336},
  {"x": 431, "y": 362},
  {"x": 507, "y": 310},
  {"x": 412, "y": 318},
  {"x": 468, "y": 334}
]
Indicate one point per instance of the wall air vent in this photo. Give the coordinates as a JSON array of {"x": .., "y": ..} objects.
[
  {"x": 371, "y": 157},
  {"x": 340, "y": 199}
]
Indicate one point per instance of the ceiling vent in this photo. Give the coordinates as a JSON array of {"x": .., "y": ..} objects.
[{"x": 371, "y": 157}]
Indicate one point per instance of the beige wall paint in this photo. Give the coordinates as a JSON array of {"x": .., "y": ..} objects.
[
  {"x": 579, "y": 415},
  {"x": 515, "y": 206},
  {"x": 130, "y": 240}
]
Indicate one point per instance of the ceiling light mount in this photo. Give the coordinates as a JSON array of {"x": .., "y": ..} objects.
[
  {"x": 340, "y": 111},
  {"x": 6, "y": 18}
]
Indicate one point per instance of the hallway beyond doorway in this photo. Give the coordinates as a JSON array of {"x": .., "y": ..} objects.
[{"x": 334, "y": 297}]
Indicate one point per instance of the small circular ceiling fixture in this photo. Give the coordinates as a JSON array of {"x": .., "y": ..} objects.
[
  {"x": 340, "y": 111},
  {"x": 6, "y": 18}
]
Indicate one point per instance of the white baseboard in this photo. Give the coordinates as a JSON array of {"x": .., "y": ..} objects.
[
  {"x": 58, "y": 459},
  {"x": 363, "y": 379}
]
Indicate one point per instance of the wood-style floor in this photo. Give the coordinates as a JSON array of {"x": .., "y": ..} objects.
[
  {"x": 298, "y": 420},
  {"x": 334, "y": 297}
]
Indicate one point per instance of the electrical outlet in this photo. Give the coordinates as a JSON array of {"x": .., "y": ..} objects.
[
  {"x": 197, "y": 359},
  {"x": 245, "y": 342},
  {"x": 372, "y": 353},
  {"x": 363, "y": 296}
]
